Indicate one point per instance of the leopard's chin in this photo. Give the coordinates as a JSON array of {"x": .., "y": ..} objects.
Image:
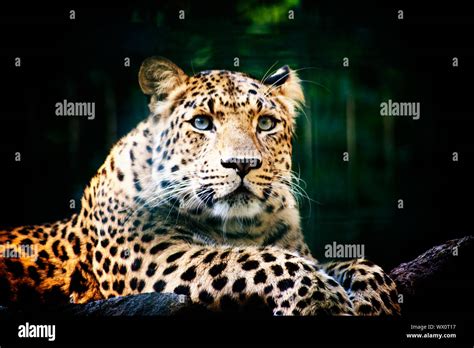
[{"x": 245, "y": 206}]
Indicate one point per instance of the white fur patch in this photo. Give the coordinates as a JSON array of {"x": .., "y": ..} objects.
[{"x": 223, "y": 210}]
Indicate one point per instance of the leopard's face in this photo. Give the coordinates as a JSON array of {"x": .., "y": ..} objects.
[{"x": 223, "y": 143}]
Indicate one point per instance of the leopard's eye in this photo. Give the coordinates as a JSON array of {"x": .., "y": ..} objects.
[
  {"x": 202, "y": 122},
  {"x": 266, "y": 123}
]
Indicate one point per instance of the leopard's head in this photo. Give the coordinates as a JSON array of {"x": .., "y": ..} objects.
[{"x": 222, "y": 138}]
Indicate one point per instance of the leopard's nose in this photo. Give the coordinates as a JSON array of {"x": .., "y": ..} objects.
[{"x": 242, "y": 165}]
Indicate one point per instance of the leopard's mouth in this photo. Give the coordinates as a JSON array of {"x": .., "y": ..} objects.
[
  {"x": 241, "y": 190},
  {"x": 242, "y": 201},
  {"x": 241, "y": 194}
]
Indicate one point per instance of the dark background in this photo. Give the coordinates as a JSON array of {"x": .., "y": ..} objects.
[{"x": 391, "y": 158}]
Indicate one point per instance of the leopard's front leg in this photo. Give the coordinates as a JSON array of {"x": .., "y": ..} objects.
[
  {"x": 370, "y": 289},
  {"x": 229, "y": 278}
]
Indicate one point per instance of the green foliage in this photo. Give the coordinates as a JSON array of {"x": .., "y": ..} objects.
[{"x": 263, "y": 17}]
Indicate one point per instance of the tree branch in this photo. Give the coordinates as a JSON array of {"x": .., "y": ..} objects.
[{"x": 438, "y": 280}]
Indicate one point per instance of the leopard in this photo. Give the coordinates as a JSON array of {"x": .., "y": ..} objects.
[{"x": 197, "y": 200}]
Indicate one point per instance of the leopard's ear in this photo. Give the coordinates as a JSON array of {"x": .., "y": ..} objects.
[
  {"x": 286, "y": 82},
  {"x": 159, "y": 76}
]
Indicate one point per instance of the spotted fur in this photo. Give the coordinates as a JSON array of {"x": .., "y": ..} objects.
[{"x": 196, "y": 200}]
